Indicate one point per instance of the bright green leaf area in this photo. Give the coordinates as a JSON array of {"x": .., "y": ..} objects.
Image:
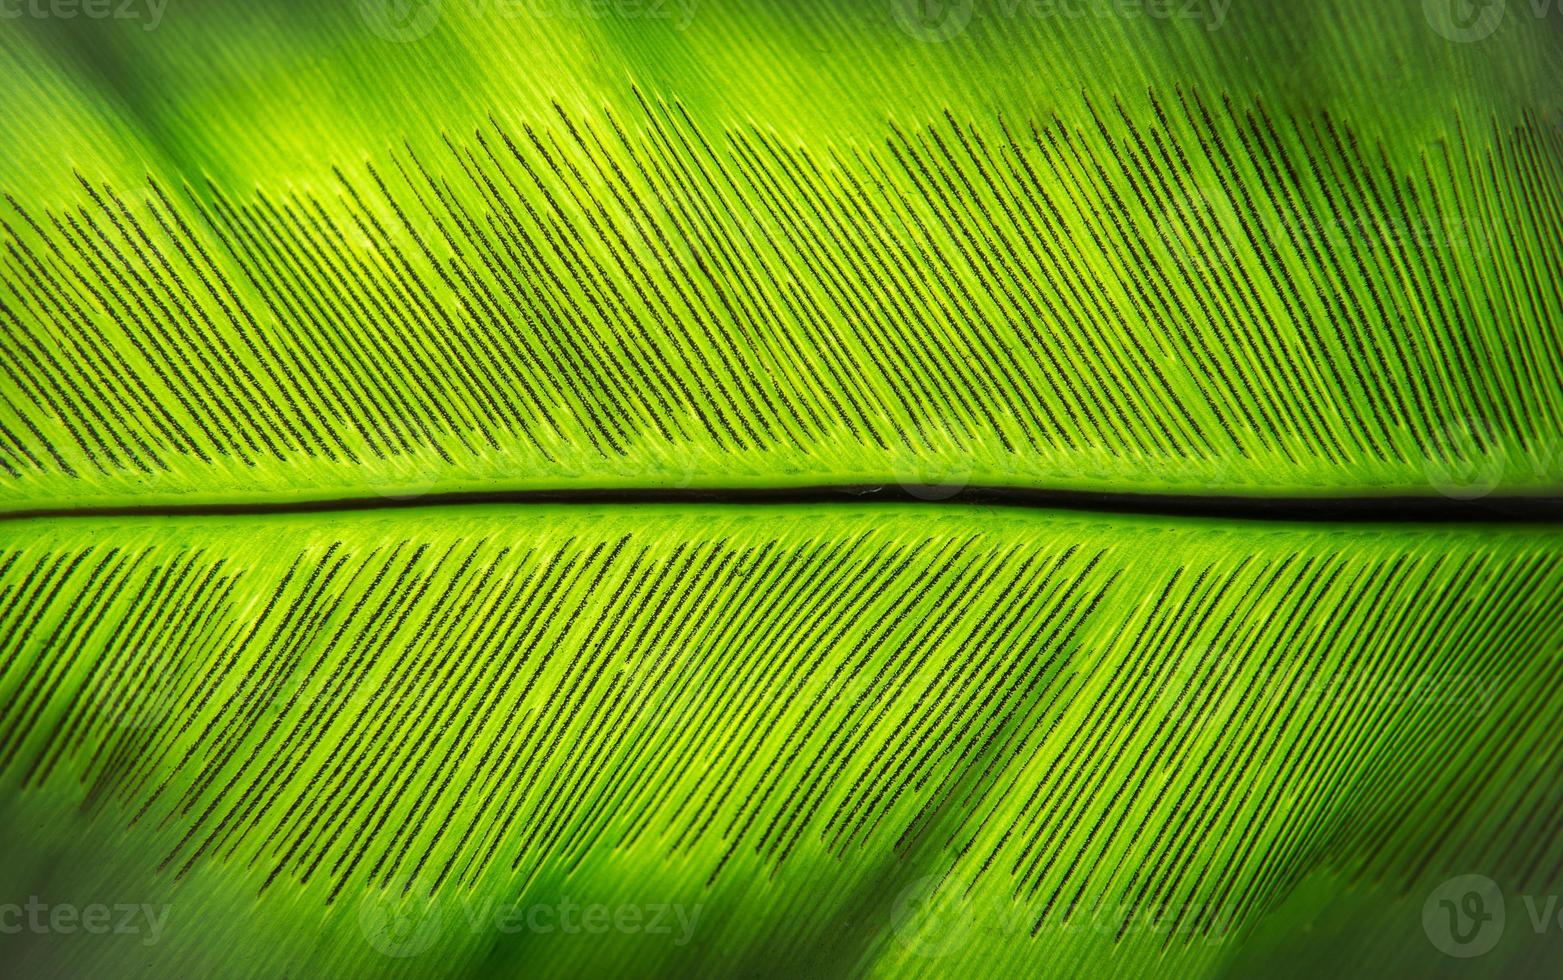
[
  {"x": 790, "y": 741},
  {"x": 309, "y": 251}
]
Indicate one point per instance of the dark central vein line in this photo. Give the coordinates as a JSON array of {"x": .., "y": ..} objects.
[{"x": 1493, "y": 509}]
